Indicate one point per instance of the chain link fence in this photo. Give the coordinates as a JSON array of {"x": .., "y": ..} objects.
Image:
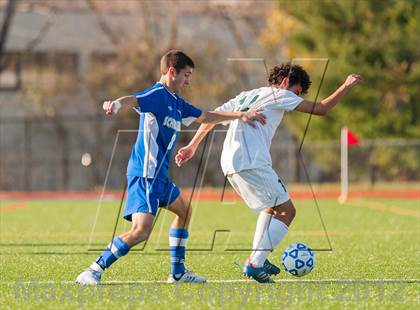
[{"x": 74, "y": 153}]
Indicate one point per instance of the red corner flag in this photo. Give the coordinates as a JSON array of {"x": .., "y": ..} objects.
[{"x": 352, "y": 139}]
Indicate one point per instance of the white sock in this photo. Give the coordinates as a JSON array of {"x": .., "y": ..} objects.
[
  {"x": 263, "y": 221},
  {"x": 268, "y": 234},
  {"x": 95, "y": 266}
]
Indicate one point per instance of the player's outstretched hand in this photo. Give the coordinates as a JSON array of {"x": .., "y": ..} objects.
[
  {"x": 184, "y": 155},
  {"x": 252, "y": 116},
  {"x": 352, "y": 80},
  {"x": 107, "y": 106},
  {"x": 111, "y": 107}
]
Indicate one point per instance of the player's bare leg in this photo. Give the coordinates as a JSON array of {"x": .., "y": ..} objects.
[
  {"x": 182, "y": 212},
  {"x": 178, "y": 235},
  {"x": 285, "y": 212},
  {"x": 140, "y": 230}
]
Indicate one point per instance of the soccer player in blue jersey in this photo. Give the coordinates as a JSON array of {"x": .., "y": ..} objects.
[{"x": 161, "y": 113}]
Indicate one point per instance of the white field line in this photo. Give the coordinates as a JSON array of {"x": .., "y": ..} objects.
[{"x": 34, "y": 282}]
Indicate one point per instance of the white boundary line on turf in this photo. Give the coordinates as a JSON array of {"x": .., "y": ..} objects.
[{"x": 225, "y": 281}]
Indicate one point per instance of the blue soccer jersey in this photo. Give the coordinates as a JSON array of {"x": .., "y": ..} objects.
[{"x": 159, "y": 127}]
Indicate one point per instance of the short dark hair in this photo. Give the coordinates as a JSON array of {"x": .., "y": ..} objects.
[
  {"x": 295, "y": 73},
  {"x": 176, "y": 59}
]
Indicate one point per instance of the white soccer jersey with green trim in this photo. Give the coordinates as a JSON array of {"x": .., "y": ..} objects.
[{"x": 246, "y": 147}]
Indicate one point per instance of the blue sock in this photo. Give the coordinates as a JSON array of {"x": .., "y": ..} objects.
[
  {"x": 177, "y": 242},
  {"x": 113, "y": 251}
]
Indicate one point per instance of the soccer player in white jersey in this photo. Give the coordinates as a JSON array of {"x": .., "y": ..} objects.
[
  {"x": 246, "y": 159},
  {"x": 162, "y": 111}
]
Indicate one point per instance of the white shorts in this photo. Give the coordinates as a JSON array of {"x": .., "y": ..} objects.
[{"x": 260, "y": 188}]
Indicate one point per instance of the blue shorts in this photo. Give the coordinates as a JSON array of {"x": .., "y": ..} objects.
[{"x": 146, "y": 195}]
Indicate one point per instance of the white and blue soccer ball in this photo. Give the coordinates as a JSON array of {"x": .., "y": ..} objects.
[{"x": 298, "y": 259}]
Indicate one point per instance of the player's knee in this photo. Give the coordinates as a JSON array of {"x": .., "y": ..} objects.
[
  {"x": 185, "y": 212},
  {"x": 188, "y": 212},
  {"x": 286, "y": 210},
  {"x": 139, "y": 233},
  {"x": 292, "y": 211}
]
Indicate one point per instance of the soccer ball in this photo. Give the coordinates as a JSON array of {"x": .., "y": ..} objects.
[{"x": 298, "y": 259}]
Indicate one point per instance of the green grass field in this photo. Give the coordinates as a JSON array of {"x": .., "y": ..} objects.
[{"x": 374, "y": 261}]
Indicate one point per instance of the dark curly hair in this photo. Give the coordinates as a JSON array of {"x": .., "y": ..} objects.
[{"x": 295, "y": 73}]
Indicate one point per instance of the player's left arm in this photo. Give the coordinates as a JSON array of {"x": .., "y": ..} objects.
[
  {"x": 331, "y": 101},
  {"x": 215, "y": 117},
  {"x": 192, "y": 114}
]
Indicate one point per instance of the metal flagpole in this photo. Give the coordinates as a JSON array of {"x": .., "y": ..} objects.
[{"x": 344, "y": 166}]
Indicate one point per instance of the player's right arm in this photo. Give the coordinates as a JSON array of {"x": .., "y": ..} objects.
[
  {"x": 222, "y": 114},
  {"x": 187, "y": 152},
  {"x": 330, "y": 102},
  {"x": 112, "y": 107}
]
